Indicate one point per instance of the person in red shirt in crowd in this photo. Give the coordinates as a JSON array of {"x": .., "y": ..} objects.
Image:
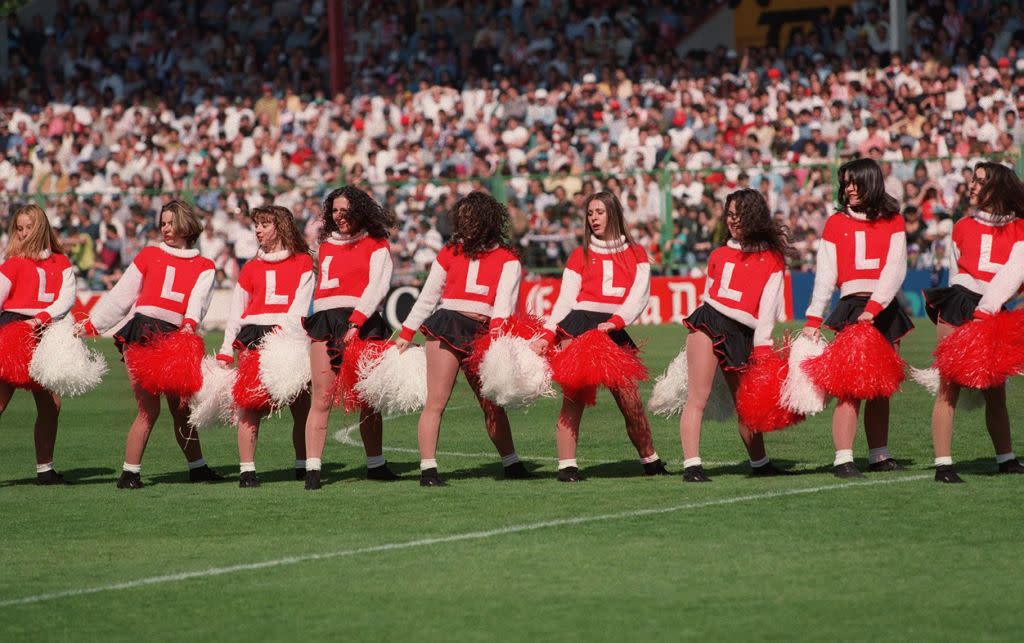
[
  {"x": 273, "y": 291},
  {"x": 605, "y": 286},
  {"x": 169, "y": 287},
  {"x": 37, "y": 286},
  {"x": 986, "y": 267},
  {"x": 743, "y": 298},
  {"x": 354, "y": 268},
  {"x": 473, "y": 285},
  {"x": 863, "y": 252}
]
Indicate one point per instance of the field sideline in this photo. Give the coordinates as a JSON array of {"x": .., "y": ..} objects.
[{"x": 801, "y": 557}]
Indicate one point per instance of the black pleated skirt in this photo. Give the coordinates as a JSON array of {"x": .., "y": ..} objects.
[
  {"x": 892, "y": 322},
  {"x": 578, "y": 322},
  {"x": 8, "y": 317},
  {"x": 456, "y": 330},
  {"x": 250, "y": 335},
  {"x": 331, "y": 325},
  {"x": 141, "y": 329},
  {"x": 731, "y": 341},
  {"x": 954, "y": 306}
]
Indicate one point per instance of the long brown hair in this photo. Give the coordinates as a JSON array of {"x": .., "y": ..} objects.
[
  {"x": 284, "y": 223},
  {"x": 479, "y": 222},
  {"x": 364, "y": 214},
  {"x": 757, "y": 225},
  {"x": 1003, "y": 193},
  {"x": 41, "y": 238},
  {"x": 615, "y": 227}
]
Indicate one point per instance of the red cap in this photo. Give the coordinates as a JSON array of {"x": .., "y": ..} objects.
[
  {"x": 1004, "y": 62},
  {"x": 679, "y": 119},
  {"x": 358, "y": 124},
  {"x": 405, "y": 119},
  {"x": 598, "y": 115},
  {"x": 774, "y": 73},
  {"x": 614, "y": 104}
]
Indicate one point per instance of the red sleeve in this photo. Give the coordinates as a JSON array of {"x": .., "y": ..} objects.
[
  {"x": 829, "y": 233},
  {"x": 640, "y": 254},
  {"x": 575, "y": 262},
  {"x": 445, "y": 257},
  {"x": 245, "y": 276}
]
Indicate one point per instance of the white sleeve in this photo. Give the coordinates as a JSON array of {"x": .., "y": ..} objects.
[
  {"x": 507, "y": 297},
  {"x": 954, "y": 260},
  {"x": 5, "y": 288},
  {"x": 199, "y": 300},
  {"x": 66, "y": 298},
  {"x": 239, "y": 300},
  {"x": 772, "y": 299},
  {"x": 381, "y": 267},
  {"x": 636, "y": 300},
  {"x": 1005, "y": 284},
  {"x": 572, "y": 283},
  {"x": 112, "y": 307},
  {"x": 890, "y": 281},
  {"x": 303, "y": 295},
  {"x": 425, "y": 304},
  {"x": 825, "y": 275}
]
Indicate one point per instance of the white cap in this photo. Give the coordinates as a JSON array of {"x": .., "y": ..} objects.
[
  {"x": 541, "y": 93},
  {"x": 589, "y": 78}
]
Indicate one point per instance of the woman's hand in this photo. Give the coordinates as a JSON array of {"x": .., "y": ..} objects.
[
  {"x": 34, "y": 323},
  {"x": 539, "y": 345},
  {"x": 866, "y": 316},
  {"x": 402, "y": 344},
  {"x": 606, "y": 326},
  {"x": 350, "y": 334},
  {"x": 812, "y": 333}
]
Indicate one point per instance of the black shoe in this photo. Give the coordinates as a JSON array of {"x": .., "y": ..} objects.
[
  {"x": 1011, "y": 466},
  {"x": 847, "y": 470},
  {"x": 382, "y": 474},
  {"x": 656, "y": 468},
  {"x": 946, "y": 473},
  {"x": 430, "y": 478},
  {"x": 300, "y": 474},
  {"x": 767, "y": 471},
  {"x": 248, "y": 480},
  {"x": 204, "y": 474},
  {"x": 886, "y": 465},
  {"x": 570, "y": 474},
  {"x": 517, "y": 471},
  {"x": 695, "y": 474},
  {"x": 50, "y": 477},
  {"x": 312, "y": 479},
  {"x": 129, "y": 480}
]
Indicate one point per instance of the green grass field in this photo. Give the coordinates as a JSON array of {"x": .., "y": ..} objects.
[{"x": 808, "y": 556}]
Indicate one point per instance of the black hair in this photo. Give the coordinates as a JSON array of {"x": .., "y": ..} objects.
[
  {"x": 866, "y": 174},
  {"x": 364, "y": 214}
]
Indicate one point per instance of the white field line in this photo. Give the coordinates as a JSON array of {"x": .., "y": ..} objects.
[
  {"x": 344, "y": 436},
  {"x": 440, "y": 540}
]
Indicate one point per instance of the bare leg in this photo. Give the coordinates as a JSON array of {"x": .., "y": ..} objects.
[
  {"x": 300, "y": 413},
  {"x": 637, "y": 426},
  {"x": 47, "y": 411},
  {"x": 844, "y": 424},
  {"x": 442, "y": 369},
  {"x": 876, "y": 422},
  {"x": 187, "y": 437},
  {"x": 997, "y": 419},
  {"x": 371, "y": 430},
  {"x": 944, "y": 408},
  {"x": 138, "y": 434},
  {"x": 495, "y": 420},
  {"x": 248, "y": 433},
  {"x": 700, "y": 368},
  {"x": 567, "y": 429},
  {"x": 753, "y": 441},
  {"x": 320, "y": 400}
]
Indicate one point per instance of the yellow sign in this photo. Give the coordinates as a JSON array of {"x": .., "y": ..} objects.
[{"x": 762, "y": 23}]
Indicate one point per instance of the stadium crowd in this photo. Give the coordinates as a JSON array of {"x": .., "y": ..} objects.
[{"x": 110, "y": 111}]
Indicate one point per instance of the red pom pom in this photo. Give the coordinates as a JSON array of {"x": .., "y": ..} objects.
[
  {"x": 170, "y": 363},
  {"x": 17, "y": 344},
  {"x": 983, "y": 354},
  {"x": 593, "y": 360},
  {"x": 525, "y": 326},
  {"x": 860, "y": 365},
  {"x": 248, "y": 390},
  {"x": 759, "y": 398},
  {"x": 344, "y": 392}
]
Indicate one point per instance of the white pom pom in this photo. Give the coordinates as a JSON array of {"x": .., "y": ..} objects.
[
  {"x": 392, "y": 382},
  {"x": 799, "y": 394},
  {"x": 284, "y": 365},
  {"x": 63, "y": 363},
  {"x": 669, "y": 392},
  {"x": 929, "y": 378},
  {"x": 213, "y": 405},
  {"x": 512, "y": 375}
]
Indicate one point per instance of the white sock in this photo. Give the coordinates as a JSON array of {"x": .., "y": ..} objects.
[
  {"x": 692, "y": 462},
  {"x": 374, "y": 461},
  {"x": 565, "y": 464},
  {"x": 428, "y": 463},
  {"x": 944, "y": 461},
  {"x": 1005, "y": 457},
  {"x": 195, "y": 464},
  {"x": 132, "y": 468},
  {"x": 510, "y": 459},
  {"x": 312, "y": 464},
  {"x": 300, "y": 464},
  {"x": 842, "y": 457},
  {"x": 760, "y": 463},
  {"x": 651, "y": 458},
  {"x": 43, "y": 468},
  {"x": 247, "y": 466},
  {"x": 878, "y": 455}
]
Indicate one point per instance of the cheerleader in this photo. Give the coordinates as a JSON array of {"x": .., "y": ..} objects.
[
  {"x": 863, "y": 252},
  {"x": 472, "y": 287},
  {"x": 354, "y": 269},
  {"x": 605, "y": 286},
  {"x": 985, "y": 271},
  {"x": 37, "y": 286},
  {"x": 169, "y": 287},
  {"x": 743, "y": 298},
  {"x": 273, "y": 291}
]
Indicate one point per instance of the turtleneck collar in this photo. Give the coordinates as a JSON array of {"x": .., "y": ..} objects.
[
  {"x": 988, "y": 218},
  {"x": 339, "y": 239},
  {"x": 273, "y": 257},
  {"x": 183, "y": 253},
  {"x": 44, "y": 255},
  {"x": 860, "y": 216},
  {"x": 607, "y": 247},
  {"x": 736, "y": 245}
]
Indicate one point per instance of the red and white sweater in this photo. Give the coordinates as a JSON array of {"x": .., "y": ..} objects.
[
  {"x": 171, "y": 284},
  {"x": 274, "y": 289},
  {"x": 747, "y": 286},
  {"x": 43, "y": 288},
  {"x": 859, "y": 255},
  {"x": 987, "y": 257},
  {"x": 355, "y": 272},
  {"x": 614, "y": 278},
  {"x": 487, "y": 285}
]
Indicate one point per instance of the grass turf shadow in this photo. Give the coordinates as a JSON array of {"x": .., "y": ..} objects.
[{"x": 82, "y": 476}]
